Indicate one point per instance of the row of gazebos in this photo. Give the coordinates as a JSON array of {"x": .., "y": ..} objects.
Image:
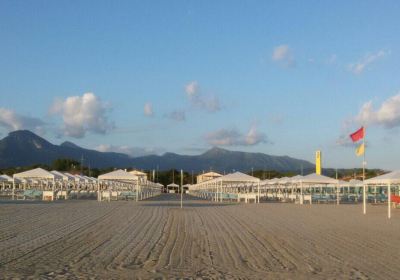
[
  {"x": 312, "y": 188},
  {"x": 50, "y": 185}
]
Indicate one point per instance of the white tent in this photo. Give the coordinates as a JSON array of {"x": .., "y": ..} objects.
[
  {"x": 389, "y": 179},
  {"x": 74, "y": 177},
  {"x": 118, "y": 175},
  {"x": 295, "y": 179},
  {"x": 63, "y": 176},
  {"x": 315, "y": 179},
  {"x": 392, "y": 178},
  {"x": 238, "y": 177},
  {"x": 5, "y": 178},
  {"x": 37, "y": 173}
]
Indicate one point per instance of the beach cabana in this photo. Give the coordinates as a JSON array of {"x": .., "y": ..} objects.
[
  {"x": 43, "y": 178},
  {"x": 6, "y": 183},
  {"x": 172, "y": 188},
  {"x": 118, "y": 180},
  {"x": 233, "y": 186},
  {"x": 316, "y": 180},
  {"x": 391, "y": 179}
]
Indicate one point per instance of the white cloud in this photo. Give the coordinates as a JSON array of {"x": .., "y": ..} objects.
[
  {"x": 148, "y": 109},
  {"x": 176, "y": 115},
  {"x": 197, "y": 99},
  {"x": 232, "y": 137},
  {"x": 192, "y": 88},
  {"x": 387, "y": 115},
  {"x": 10, "y": 120},
  {"x": 130, "y": 151},
  {"x": 359, "y": 67},
  {"x": 82, "y": 114},
  {"x": 283, "y": 55}
]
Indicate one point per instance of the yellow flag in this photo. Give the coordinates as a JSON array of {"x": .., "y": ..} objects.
[{"x": 360, "y": 150}]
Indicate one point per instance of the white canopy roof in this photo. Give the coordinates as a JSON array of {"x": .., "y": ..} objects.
[
  {"x": 351, "y": 183},
  {"x": 283, "y": 180},
  {"x": 389, "y": 178},
  {"x": 5, "y": 178},
  {"x": 273, "y": 181},
  {"x": 37, "y": 173},
  {"x": 118, "y": 175},
  {"x": 172, "y": 185},
  {"x": 295, "y": 179},
  {"x": 211, "y": 174},
  {"x": 317, "y": 179},
  {"x": 137, "y": 173},
  {"x": 238, "y": 177},
  {"x": 62, "y": 175}
]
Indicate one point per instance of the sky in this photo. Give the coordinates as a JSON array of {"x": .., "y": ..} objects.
[{"x": 143, "y": 77}]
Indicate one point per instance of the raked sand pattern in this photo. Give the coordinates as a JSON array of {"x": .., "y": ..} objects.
[{"x": 156, "y": 239}]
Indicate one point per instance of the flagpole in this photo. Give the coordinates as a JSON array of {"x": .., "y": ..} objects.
[{"x": 364, "y": 187}]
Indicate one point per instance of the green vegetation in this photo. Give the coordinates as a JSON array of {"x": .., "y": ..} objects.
[{"x": 168, "y": 176}]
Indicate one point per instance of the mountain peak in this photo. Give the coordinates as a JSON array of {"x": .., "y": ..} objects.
[
  {"x": 69, "y": 144},
  {"x": 216, "y": 151}
]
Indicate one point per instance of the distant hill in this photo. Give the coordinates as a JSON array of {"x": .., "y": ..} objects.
[{"x": 24, "y": 148}]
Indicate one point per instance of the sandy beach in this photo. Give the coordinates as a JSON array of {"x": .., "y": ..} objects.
[{"x": 156, "y": 239}]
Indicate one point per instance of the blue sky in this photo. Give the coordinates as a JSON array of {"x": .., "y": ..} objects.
[{"x": 278, "y": 77}]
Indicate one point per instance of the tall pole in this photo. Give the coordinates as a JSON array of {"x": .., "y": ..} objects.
[
  {"x": 181, "y": 188},
  {"x": 364, "y": 187}
]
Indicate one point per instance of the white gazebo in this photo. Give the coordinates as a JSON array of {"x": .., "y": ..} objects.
[
  {"x": 390, "y": 180},
  {"x": 119, "y": 180},
  {"x": 229, "y": 186},
  {"x": 120, "y": 183},
  {"x": 40, "y": 176},
  {"x": 172, "y": 188}
]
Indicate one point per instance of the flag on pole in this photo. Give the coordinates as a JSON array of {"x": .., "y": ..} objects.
[
  {"x": 360, "y": 150},
  {"x": 358, "y": 135}
]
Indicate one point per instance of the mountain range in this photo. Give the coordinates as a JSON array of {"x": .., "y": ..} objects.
[{"x": 24, "y": 148}]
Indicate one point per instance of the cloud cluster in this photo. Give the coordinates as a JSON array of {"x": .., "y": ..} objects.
[
  {"x": 82, "y": 114},
  {"x": 177, "y": 115},
  {"x": 197, "y": 99},
  {"x": 387, "y": 115},
  {"x": 283, "y": 55},
  {"x": 232, "y": 137},
  {"x": 148, "y": 109},
  {"x": 10, "y": 120},
  {"x": 130, "y": 151},
  {"x": 359, "y": 67}
]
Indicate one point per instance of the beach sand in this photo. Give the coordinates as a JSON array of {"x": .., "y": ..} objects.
[{"x": 156, "y": 239}]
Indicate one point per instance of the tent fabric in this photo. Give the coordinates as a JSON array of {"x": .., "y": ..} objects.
[
  {"x": 37, "y": 173},
  {"x": 5, "y": 178},
  {"x": 351, "y": 183},
  {"x": 173, "y": 185},
  {"x": 74, "y": 177},
  {"x": 62, "y": 175},
  {"x": 237, "y": 177},
  {"x": 295, "y": 179},
  {"x": 389, "y": 178},
  {"x": 118, "y": 175},
  {"x": 317, "y": 179}
]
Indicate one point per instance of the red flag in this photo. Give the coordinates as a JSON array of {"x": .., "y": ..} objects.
[{"x": 359, "y": 134}]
